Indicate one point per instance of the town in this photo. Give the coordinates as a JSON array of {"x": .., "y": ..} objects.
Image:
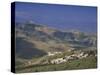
[{"x": 66, "y": 58}]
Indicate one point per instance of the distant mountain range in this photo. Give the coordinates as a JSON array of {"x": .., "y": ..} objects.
[{"x": 34, "y": 40}]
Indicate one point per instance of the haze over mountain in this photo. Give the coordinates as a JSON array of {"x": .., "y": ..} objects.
[{"x": 62, "y": 17}]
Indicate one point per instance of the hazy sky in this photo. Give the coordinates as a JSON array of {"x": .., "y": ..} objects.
[{"x": 65, "y": 17}]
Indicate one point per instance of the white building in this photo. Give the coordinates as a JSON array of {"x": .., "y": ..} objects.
[
  {"x": 58, "y": 61},
  {"x": 53, "y": 53}
]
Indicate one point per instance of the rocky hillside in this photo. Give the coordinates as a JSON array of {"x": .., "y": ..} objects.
[{"x": 34, "y": 40}]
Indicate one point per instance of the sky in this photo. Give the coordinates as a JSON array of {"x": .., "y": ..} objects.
[{"x": 63, "y": 17}]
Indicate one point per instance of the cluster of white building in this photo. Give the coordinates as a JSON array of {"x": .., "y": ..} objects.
[
  {"x": 53, "y": 53},
  {"x": 64, "y": 59},
  {"x": 68, "y": 58}
]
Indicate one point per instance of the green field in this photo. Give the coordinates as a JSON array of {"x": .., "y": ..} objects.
[{"x": 86, "y": 63}]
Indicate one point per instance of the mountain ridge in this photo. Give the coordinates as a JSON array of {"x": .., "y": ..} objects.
[{"x": 47, "y": 39}]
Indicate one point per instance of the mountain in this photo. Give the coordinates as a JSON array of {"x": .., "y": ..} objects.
[{"x": 33, "y": 40}]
